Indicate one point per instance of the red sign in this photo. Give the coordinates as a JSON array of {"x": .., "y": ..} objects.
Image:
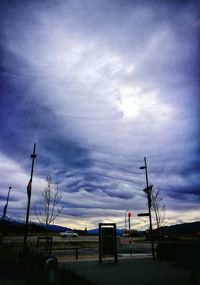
[{"x": 129, "y": 214}]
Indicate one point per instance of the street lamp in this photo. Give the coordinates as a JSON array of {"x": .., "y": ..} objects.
[
  {"x": 29, "y": 189},
  {"x": 6, "y": 206},
  {"x": 148, "y": 191}
]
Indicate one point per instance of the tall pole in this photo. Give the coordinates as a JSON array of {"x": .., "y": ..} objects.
[
  {"x": 129, "y": 225},
  {"x": 126, "y": 220},
  {"x": 149, "y": 206},
  {"x": 6, "y": 206},
  {"x": 129, "y": 230},
  {"x": 29, "y": 187}
]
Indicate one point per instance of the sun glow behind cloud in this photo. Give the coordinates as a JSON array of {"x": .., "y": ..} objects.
[
  {"x": 136, "y": 104},
  {"x": 131, "y": 107}
]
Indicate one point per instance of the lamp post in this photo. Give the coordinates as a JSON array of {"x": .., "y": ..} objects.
[
  {"x": 29, "y": 188},
  {"x": 148, "y": 190},
  {"x": 6, "y": 206}
]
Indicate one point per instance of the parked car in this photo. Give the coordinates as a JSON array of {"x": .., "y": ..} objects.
[
  {"x": 69, "y": 234},
  {"x": 131, "y": 233}
]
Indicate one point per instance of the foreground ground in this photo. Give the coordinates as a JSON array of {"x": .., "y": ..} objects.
[
  {"x": 133, "y": 271},
  {"x": 137, "y": 268}
]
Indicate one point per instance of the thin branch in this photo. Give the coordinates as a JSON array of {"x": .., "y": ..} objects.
[
  {"x": 51, "y": 197},
  {"x": 158, "y": 207}
]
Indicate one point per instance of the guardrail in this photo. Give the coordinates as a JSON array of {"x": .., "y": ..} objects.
[{"x": 75, "y": 250}]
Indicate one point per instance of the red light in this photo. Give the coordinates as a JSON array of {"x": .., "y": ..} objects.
[{"x": 129, "y": 214}]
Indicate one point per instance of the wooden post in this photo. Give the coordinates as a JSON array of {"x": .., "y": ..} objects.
[{"x": 29, "y": 188}]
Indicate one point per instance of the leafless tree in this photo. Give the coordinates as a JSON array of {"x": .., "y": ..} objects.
[
  {"x": 50, "y": 207},
  {"x": 158, "y": 207}
]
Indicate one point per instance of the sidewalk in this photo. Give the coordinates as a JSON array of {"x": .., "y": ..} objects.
[
  {"x": 132, "y": 271},
  {"x": 138, "y": 269},
  {"x": 11, "y": 274},
  {"x": 12, "y": 282}
]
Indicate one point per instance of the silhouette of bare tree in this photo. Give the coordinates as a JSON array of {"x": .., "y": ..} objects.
[
  {"x": 158, "y": 207},
  {"x": 50, "y": 206}
]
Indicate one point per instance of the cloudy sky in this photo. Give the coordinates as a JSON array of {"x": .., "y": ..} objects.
[{"x": 98, "y": 85}]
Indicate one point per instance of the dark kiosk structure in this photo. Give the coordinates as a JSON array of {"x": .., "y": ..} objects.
[{"x": 107, "y": 241}]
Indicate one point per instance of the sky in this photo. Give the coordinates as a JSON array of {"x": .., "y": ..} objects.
[{"x": 98, "y": 85}]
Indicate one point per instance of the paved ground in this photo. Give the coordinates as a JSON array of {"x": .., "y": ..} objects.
[
  {"x": 138, "y": 270},
  {"x": 12, "y": 282}
]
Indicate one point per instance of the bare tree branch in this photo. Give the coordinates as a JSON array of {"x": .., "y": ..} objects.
[
  {"x": 51, "y": 198},
  {"x": 158, "y": 207}
]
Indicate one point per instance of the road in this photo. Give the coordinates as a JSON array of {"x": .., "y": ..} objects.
[
  {"x": 87, "y": 247},
  {"x": 81, "y": 247}
]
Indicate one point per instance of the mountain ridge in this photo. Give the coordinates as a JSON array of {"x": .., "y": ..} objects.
[{"x": 11, "y": 225}]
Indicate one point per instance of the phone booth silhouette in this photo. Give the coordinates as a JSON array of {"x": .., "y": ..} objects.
[{"x": 107, "y": 241}]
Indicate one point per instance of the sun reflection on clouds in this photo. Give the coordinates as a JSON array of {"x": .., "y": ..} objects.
[
  {"x": 130, "y": 107},
  {"x": 136, "y": 103}
]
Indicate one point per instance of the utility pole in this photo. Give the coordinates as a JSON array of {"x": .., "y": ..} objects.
[
  {"x": 129, "y": 223},
  {"x": 129, "y": 230},
  {"x": 6, "y": 206},
  {"x": 29, "y": 188},
  {"x": 148, "y": 190},
  {"x": 125, "y": 220}
]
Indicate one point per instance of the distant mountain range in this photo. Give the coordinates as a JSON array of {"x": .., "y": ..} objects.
[
  {"x": 182, "y": 229},
  {"x": 96, "y": 232},
  {"x": 13, "y": 226}
]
